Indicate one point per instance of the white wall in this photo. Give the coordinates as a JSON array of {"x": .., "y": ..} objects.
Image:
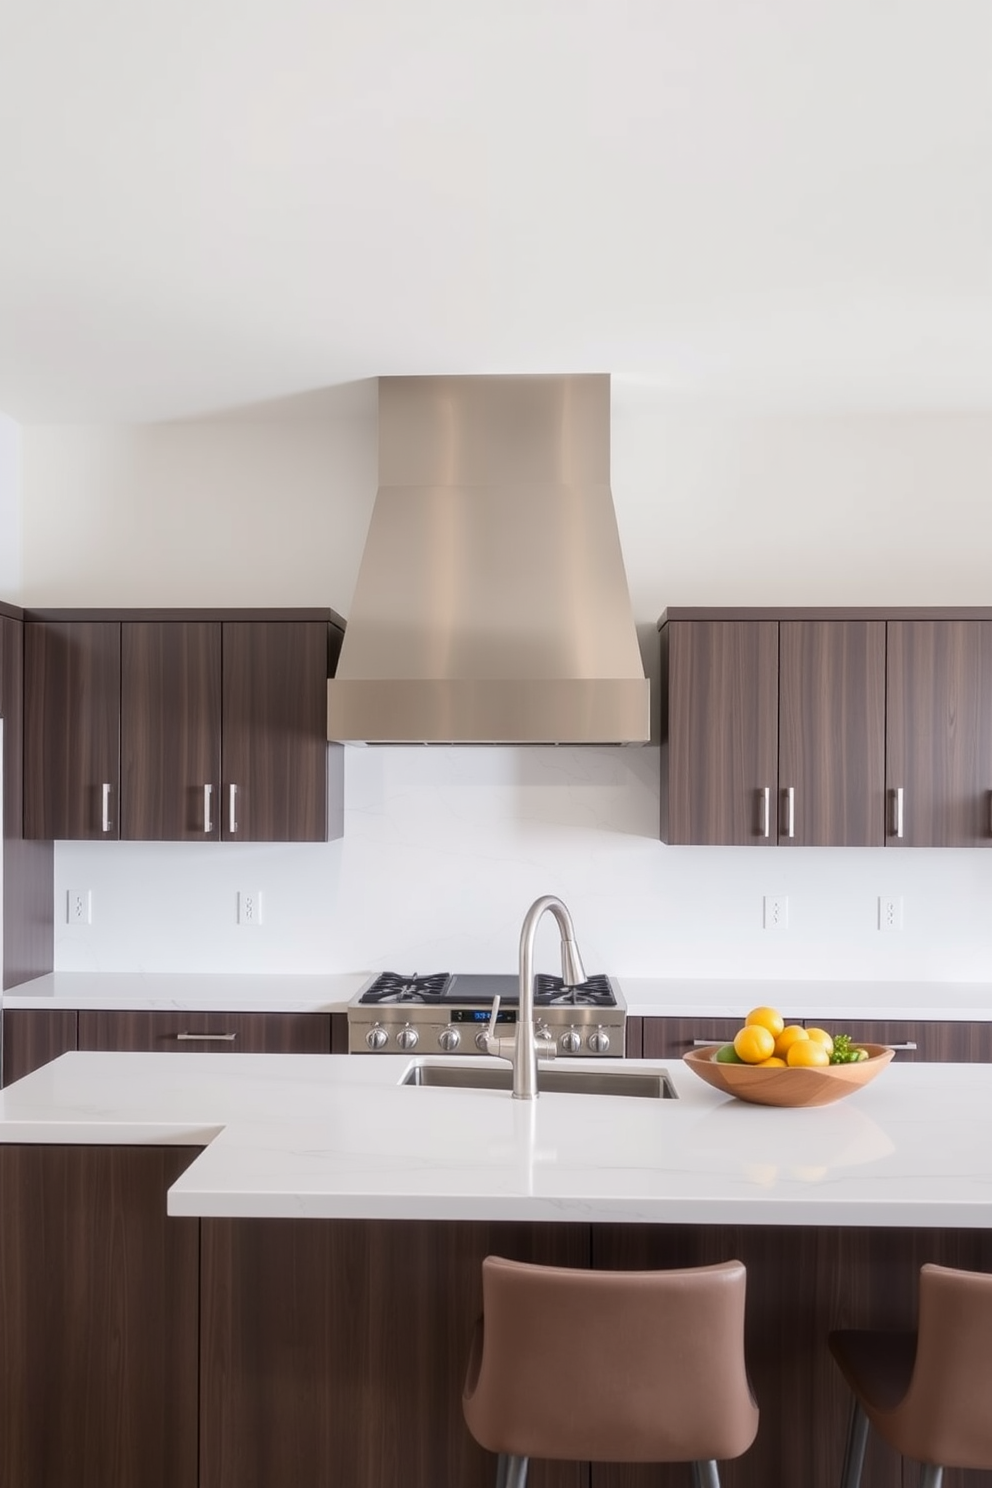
[
  {"x": 10, "y": 510},
  {"x": 444, "y": 848}
]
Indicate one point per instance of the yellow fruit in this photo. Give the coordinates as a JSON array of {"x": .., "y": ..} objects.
[
  {"x": 791, "y": 1034},
  {"x": 753, "y": 1043},
  {"x": 766, "y": 1017},
  {"x": 821, "y": 1036},
  {"x": 807, "y": 1053},
  {"x": 773, "y": 1063}
]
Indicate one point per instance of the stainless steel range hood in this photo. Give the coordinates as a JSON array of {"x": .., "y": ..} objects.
[{"x": 492, "y": 604}]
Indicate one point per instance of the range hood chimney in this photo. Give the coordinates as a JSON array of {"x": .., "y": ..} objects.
[{"x": 491, "y": 605}]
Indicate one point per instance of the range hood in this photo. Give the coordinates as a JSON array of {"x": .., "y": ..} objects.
[{"x": 491, "y": 605}]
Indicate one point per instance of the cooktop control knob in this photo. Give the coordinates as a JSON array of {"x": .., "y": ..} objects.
[
  {"x": 542, "y": 1031},
  {"x": 377, "y": 1037},
  {"x": 480, "y": 1040},
  {"x": 449, "y": 1039},
  {"x": 599, "y": 1042},
  {"x": 571, "y": 1042},
  {"x": 408, "y": 1038}
]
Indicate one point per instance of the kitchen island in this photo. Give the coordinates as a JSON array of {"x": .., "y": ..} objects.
[{"x": 265, "y": 1271}]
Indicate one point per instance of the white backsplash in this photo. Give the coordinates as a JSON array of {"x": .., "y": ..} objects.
[{"x": 444, "y": 849}]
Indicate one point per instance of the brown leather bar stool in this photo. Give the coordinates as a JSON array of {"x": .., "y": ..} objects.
[
  {"x": 610, "y": 1366},
  {"x": 928, "y": 1394}
]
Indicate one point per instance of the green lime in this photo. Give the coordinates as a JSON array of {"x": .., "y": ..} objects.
[{"x": 727, "y": 1055}]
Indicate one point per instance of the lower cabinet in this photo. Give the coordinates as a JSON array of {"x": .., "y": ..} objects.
[
  {"x": 940, "y": 1042},
  {"x": 33, "y": 1036}
]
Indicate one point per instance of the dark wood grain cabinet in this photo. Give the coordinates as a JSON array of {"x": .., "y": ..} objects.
[
  {"x": 34, "y": 1036},
  {"x": 72, "y": 702},
  {"x": 210, "y": 1032},
  {"x": 939, "y": 733},
  {"x": 182, "y": 726},
  {"x": 920, "y": 1039},
  {"x": 99, "y": 1328},
  {"x": 772, "y": 732},
  {"x": 826, "y": 728}
]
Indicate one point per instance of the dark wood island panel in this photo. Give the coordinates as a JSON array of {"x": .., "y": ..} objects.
[
  {"x": 99, "y": 1318},
  {"x": 335, "y": 1352}
]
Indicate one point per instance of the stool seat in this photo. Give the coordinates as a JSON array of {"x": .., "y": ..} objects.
[
  {"x": 610, "y": 1366},
  {"x": 927, "y": 1393}
]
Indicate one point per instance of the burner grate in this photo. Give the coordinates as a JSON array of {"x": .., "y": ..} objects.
[
  {"x": 393, "y": 987},
  {"x": 550, "y": 991}
]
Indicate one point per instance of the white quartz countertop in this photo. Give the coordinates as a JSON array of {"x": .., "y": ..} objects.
[
  {"x": 644, "y": 996},
  {"x": 325, "y": 1136}
]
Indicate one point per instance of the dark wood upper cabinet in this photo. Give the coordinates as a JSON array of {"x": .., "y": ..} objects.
[
  {"x": 831, "y": 733},
  {"x": 276, "y": 758},
  {"x": 719, "y": 732},
  {"x": 72, "y": 703},
  {"x": 182, "y": 726},
  {"x": 939, "y": 733},
  {"x": 170, "y": 731}
]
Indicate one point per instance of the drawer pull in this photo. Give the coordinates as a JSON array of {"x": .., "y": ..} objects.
[
  {"x": 227, "y": 1038},
  {"x": 910, "y": 1046},
  {"x": 704, "y": 1043}
]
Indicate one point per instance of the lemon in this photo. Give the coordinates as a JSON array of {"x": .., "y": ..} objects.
[
  {"x": 753, "y": 1043},
  {"x": 791, "y": 1034},
  {"x": 766, "y": 1017},
  {"x": 807, "y": 1053},
  {"x": 821, "y": 1036}
]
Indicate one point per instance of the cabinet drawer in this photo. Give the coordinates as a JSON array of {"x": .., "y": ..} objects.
[
  {"x": 919, "y": 1039},
  {"x": 670, "y": 1038},
  {"x": 212, "y": 1032},
  {"x": 34, "y": 1036}
]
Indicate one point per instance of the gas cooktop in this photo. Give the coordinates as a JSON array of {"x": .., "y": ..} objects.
[{"x": 476, "y": 989}]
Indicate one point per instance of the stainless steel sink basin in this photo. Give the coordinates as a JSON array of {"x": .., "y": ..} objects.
[{"x": 649, "y": 1085}]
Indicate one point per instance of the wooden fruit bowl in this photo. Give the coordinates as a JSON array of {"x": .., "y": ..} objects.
[{"x": 799, "y": 1086}]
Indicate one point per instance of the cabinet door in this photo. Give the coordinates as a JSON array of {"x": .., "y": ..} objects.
[
  {"x": 275, "y": 751},
  {"x": 72, "y": 686},
  {"x": 831, "y": 733},
  {"x": 925, "y": 1041},
  {"x": 205, "y": 1032},
  {"x": 719, "y": 732},
  {"x": 170, "y": 731},
  {"x": 939, "y": 733}
]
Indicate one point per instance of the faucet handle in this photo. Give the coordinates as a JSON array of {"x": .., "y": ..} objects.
[{"x": 492, "y": 1042}]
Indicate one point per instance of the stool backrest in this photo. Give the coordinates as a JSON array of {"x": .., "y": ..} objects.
[
  {"x": 946, "y": 1415},
  {"x": 611, "y": 1366}
]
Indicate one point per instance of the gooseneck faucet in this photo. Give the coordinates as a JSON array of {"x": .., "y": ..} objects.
[{"x": 523, "y": 1050}]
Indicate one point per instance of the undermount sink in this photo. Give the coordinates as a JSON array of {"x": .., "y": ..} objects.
[{"x": 649, "y": 1085}]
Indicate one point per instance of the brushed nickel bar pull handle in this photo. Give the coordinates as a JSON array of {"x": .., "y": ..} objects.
[
  {"x": 105, "y": 808},
  {"x": 790, "y": 811},
  {"x": 704, "y": 1043},
  {"x": 898, "y": 805},
  {"x": 216, "y": 1038},
  {"x": 766, "y": 811},
  {"x": 208, "y": 825},
  {"x": 232, "y": 797},
  {"x": 911, "y": 1046}
]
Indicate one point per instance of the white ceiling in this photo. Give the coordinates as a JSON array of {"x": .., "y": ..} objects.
[{"x": 206, "y": 204}]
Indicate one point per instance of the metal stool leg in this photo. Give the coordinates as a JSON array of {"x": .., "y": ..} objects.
[
  {"x": 501, "y": 1465},
  {"x": 857, "y": 1441},
  {"x": 705, "y": 1475},
  {"x": 516, "y": 1472},
  {"x": 931, "y": 1476}
]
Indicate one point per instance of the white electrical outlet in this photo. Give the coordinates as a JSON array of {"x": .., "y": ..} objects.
[
  {"x": 79, "y": 907},
  {"x": 890, "y": 911},
  {"x": 249, "y": 906},
  {"x": 776, "y": 911}
]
